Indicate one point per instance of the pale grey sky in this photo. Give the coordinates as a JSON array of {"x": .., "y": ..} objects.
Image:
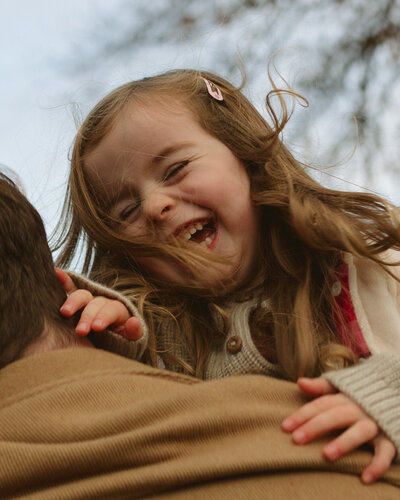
[{"x": 36, "y": 126}]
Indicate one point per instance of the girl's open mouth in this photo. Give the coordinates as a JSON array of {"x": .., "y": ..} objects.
[{"x": 201, "y": 232}]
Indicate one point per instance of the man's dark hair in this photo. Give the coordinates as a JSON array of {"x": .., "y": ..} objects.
[{"x": 30, "y": 293}]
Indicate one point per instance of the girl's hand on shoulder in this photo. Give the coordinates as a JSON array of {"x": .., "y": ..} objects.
[
  {"x": 98, "y": 313},
  {"x": 332, "y": 410}
]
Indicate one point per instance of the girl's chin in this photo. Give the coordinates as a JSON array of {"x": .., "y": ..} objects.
[
  {"x": 222, "y": 278},
  {"x": 216, "y": 281}
]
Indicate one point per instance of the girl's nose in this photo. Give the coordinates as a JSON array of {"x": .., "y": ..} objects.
[{"x": 158, "y": 205}]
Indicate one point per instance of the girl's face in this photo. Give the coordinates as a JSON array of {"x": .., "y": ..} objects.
[{"x": 162, "y": 173}]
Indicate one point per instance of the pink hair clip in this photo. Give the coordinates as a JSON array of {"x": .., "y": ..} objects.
[{"x": 213, "y": 90}]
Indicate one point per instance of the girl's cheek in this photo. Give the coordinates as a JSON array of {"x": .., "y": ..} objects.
[{"x": 136, "y": 231}]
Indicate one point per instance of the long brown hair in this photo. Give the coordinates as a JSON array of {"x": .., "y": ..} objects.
[{"x": 305, "y": 227}]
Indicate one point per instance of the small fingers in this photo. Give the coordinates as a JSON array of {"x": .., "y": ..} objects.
[
  {"x": 133, "y": 329},
  {"x": 385, "y": 451},
  {"x": 75, "y": 301},
  {"x": 99, "y": 313},
  {"x": 105, "y": 312},
  {"x": 315, "y": 386},
  {"x": 328, "y": 420},
  {"x": 311, "y": 410},
  {"x": 65, "y": 280},
  {"x": 358, "y": 434},
  {"x": 88, "y": 316}
]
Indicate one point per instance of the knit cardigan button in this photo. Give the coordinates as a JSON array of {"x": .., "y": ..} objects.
[
  {"x": 336, "y": 288},
  {"x": 234, "y": 344}
]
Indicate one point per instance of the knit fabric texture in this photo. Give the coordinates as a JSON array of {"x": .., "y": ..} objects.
[{"x": 87, "y": 424}]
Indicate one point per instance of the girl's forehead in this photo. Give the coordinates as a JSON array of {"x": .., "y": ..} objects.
[
  {"x": 143, "y": 128},
  {"x": 145, "y": 123},
  {"x": 155, "y": 108}
]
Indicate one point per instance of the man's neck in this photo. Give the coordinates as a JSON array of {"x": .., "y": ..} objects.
[{"x": 52, "y": 339}]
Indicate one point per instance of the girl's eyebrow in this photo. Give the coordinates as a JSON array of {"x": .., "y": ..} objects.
[
  {"x": 168, "y": 151},
  {"x": 116, "y": 198}
]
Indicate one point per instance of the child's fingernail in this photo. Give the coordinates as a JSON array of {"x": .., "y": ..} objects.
[
  {"x": 367, "y": 478},
  {"x": 66, "y": 309},
  {"x": 298, "y": 436},
  {"x": 98, "y": 324},
  {"x": 331, "y": 452},
  {"x": 287, "y": 424},
  {"x": 82, "y": 328}
]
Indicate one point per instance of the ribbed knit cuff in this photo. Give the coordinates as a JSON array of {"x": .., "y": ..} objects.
[
  {"x": 375, "y": 385},
  {"x": 108, "y": 340}
]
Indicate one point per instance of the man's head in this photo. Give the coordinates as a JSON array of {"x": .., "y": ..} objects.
[{"x": 30, "y": 293}]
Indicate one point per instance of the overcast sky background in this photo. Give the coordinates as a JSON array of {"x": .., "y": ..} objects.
[
  {"x": 39, "y": 85},
  {"x": 36, "y": 119}
]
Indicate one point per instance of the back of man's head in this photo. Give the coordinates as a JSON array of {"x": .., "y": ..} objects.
[{"x": 30, "y": 293}]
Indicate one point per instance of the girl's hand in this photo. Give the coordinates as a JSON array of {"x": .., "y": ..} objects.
[
  {"x": 332, "y": 411},
  {"x": 98, "y": 313}
]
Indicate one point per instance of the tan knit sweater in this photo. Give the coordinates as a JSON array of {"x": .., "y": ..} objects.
[{"x": 88, "y": 424}]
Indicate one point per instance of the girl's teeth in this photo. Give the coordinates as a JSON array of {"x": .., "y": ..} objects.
[
  {"x": 203, "y": 243},
  {"x": 198, "y": 226}
]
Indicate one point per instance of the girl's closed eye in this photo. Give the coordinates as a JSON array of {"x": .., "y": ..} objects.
[
  {"x": 175, "y": 169},
  {"x": 129, "y": 211}
]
